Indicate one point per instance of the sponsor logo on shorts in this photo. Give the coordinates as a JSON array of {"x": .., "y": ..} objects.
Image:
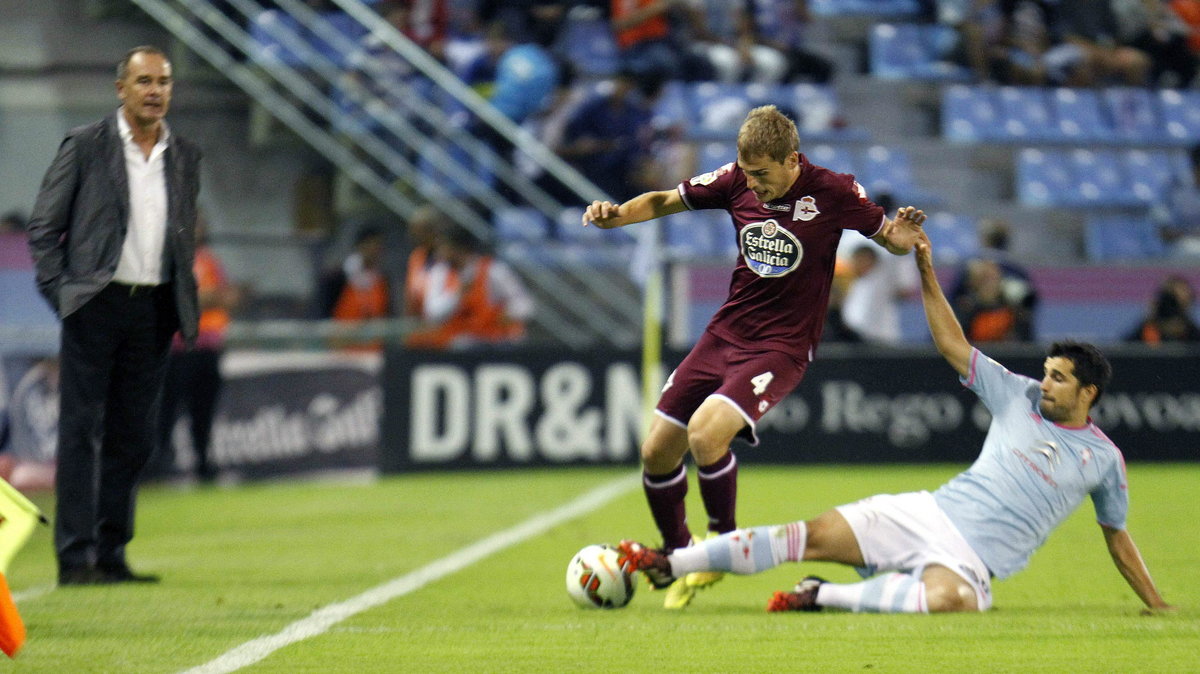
[{"x": 770, "y": 250}]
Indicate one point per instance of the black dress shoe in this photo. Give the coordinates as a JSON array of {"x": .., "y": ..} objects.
[
  {"x": 79, "y": 576},
  {"x": 123, "y": 574}
]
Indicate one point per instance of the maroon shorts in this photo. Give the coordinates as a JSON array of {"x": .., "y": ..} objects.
[{"x": 751, "y": 381}]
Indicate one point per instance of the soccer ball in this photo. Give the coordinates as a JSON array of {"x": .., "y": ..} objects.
[{"x": 595, "y": 579}]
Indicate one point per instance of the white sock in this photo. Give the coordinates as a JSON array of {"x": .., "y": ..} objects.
[
  {"x": 743, "y": 551},
  {"x": 889, "y": 593}
]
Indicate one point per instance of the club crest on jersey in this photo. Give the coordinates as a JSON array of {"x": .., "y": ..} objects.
[
  {"x": 806, "y": 209},
  {"x": 770, "y": 250}
]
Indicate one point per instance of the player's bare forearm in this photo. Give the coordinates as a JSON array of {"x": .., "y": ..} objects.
[
  {"x": 1129, "y": 562},
  {"x": 647, "y": 206},
  {"x": 899, "y": 236},
  {"x": 944, "y": 327}
]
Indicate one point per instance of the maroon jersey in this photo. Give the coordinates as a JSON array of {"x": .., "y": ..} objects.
[{"x": 779, "y": 291}]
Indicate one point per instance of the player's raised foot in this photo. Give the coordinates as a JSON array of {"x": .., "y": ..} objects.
[
  {"x": 803, "y": 597},
  {"x": 651, "y": 562}
]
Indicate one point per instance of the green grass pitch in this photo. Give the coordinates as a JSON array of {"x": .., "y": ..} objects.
[{"x": 246, "y": 562}]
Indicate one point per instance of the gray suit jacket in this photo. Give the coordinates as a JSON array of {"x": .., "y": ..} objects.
[{"x": 81, "y": 215}]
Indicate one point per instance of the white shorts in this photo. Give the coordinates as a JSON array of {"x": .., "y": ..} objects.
[{"x": 908, "y": 532}]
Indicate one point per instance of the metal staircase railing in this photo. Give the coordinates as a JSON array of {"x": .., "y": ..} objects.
[{"x": 308, "y": 92}]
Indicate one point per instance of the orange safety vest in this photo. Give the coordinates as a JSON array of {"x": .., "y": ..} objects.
[
  {"x": 210, "y": 276},
  {"x": 654, "y": 28},
  {"x": 477, "y": 316},
  {"x": 415, "y": 281}
]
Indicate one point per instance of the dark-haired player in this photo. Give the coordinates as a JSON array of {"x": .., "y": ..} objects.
[
  {"x": 788, "y": 216},
  {"x": 937, "y": 552}
]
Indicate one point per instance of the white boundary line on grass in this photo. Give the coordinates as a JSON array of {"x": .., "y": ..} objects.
[{"x": 319, "y": 621}]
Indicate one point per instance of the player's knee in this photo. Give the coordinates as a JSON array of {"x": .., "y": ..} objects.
[{"x": 943, "y": 597}]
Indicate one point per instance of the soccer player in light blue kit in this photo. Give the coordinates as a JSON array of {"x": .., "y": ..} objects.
[{"x": 925, "y": 552}]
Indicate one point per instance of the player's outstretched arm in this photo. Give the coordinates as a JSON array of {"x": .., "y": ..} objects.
[
  {"x": 647, "y": 206},
  {"x": 943, "y": 325},
  {"x": 899, "y": 236},
  {"x": 1129, "y": 562}
]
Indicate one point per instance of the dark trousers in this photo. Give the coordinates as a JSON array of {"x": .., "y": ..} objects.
[
  {"x": 193, "y": 384},
  {"x": 114, "y": 349}
]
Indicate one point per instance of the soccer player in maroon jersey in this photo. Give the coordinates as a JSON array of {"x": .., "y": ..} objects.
[{"x": 788, "y": 216}]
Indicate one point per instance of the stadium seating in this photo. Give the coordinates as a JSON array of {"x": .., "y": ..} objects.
[
  {"x": 909, "y": 51},
  {"x": 955, "y": 238},
  {"x": 1097, "y": 177},
  {"x": 698, "y": 234},
  {"x": 524, "y": 224},
  {"x": 1121, "y": 238},
  {"x": 269, "y": 31},
  {"x": 895, "y": 8},
  {"x": 833, "y": 158},
  {"x": 1127, "y": 116},
  {"x": 1181, "y": 115},
  {"x": 589, "y": 46},
  {"x": 969, "y": 114}
]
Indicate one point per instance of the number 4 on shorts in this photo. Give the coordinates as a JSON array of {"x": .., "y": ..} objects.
[{"x": 761, "y": 382}]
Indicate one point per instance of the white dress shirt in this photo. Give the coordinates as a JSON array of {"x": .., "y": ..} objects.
[{"x": 142, "y": 253}]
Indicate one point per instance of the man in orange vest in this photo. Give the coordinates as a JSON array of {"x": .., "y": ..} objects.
[{"x": 471, "y": 298}]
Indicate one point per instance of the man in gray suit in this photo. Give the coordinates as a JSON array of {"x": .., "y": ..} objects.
[{"x": 112, "y": 236}]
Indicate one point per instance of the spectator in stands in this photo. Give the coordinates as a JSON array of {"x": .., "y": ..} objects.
[
  {"x": 1170, "y": 316},
  {"x": 359, "y": 289},
  {"x": 1016, "y": 284},
  {"x": 723, "y": 32},
  {"x": 33, "y": 413},
  {"x": 1093, "y": 27},
  {"x": 1024, "y": 47},
  {"x": 986, "y": 311},
  {"x": 1188, "y": 12},
  {"x": 536, "y": 21},
  {"x": 871, "y": 306},
  {"x": 606, "y": 136},
  {"x": 471, "y": 298},
  {"x": 13, "y": 222},
  {"x": 423, "y": 229},
  {"x": 517, "y": 78},
  {"x": 781, "y": 25},
  {"x": 193, "y": 381},
  {"x": 648, "y": 42},
  {"x": 969, "y": 19},
  {"x": 1151, "y": 26}
]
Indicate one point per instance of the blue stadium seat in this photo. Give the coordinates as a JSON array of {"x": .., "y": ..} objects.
[
  {"x": 882, "y": 169},
  {"x": 1134, "y": 114},
  {"x": 589, "y": 46},
  {"x": 908, "y": 51},
  {"x": 1181, "y": 115},
  {"x": 20, "y": 302},
  {"x": 1078, "y": 115},
  {"x": 816, "y": 111},
  {"x": 833, "y": 158},
  {"x": 1121, "y": 238},
  {"x": 696, "y": 234},
  {"x": 714, "y": 155},
  {"x": 1150, "y": 173},
  {"x": 1026, "y": 115},
  {"x": 969, "y": 114},
  {"x": 1043, "y": 177},
  {"x": 1100, "y": 179},
  {"x": 267, "y": 31},
  {"x": 718, "y": 109},
  {"x": 520, "y": 223},
  {"x": 349, "y": 27},
  {"x": 674, "y": 108},
  {"x": 865, "y": 7},
  {"x": 955, "y": 237}
]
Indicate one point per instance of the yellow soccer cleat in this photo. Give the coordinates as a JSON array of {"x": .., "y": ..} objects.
[{"x": 681, "y": 592}]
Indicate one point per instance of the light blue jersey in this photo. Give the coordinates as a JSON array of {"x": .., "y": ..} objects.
[{"x": 1031, "y": 474}]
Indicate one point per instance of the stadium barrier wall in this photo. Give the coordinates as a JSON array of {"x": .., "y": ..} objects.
[{"x": 543, "y": 408}]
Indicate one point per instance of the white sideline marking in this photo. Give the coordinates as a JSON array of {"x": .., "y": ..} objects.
[
  {"x": 32, "y": 593},
  {"x": 322, "y": 619}
]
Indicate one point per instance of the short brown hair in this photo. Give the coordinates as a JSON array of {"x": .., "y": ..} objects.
[
  {"x": 123, "y": 65},
  {"x": 767, "y": 132}
]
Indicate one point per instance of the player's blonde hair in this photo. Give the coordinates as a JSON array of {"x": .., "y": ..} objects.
[{"x": 767, "y": 132}]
